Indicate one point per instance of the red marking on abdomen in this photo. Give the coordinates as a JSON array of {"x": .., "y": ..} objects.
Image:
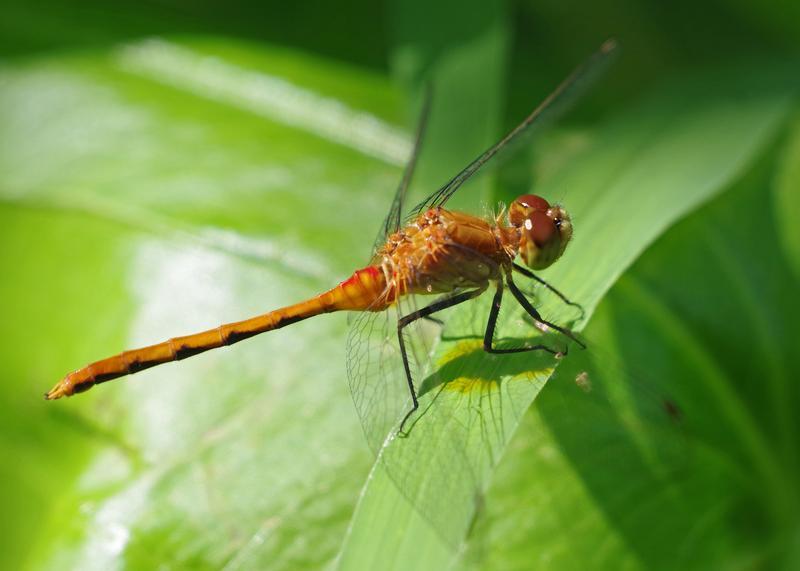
[{"x": 358, "y": 275}]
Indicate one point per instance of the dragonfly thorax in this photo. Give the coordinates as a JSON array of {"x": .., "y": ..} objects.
[
  {"x": 441, "y": 251},
  {"x": 544, "y": 230}
]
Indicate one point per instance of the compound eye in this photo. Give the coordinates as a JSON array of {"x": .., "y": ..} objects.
[
  {"x": 534, "y": 202},
  {"x": 542, "y": 229}
]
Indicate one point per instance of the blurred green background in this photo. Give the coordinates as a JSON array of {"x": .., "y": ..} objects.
[{"x": 168, "y": 166}]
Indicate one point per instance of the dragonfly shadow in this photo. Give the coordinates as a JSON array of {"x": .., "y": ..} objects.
[
  {"x": 468, "y": 367},
  {"x": 469, "y": 408}
]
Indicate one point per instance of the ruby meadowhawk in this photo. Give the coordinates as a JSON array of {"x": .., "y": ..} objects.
[{"x": 456, "y": 258}]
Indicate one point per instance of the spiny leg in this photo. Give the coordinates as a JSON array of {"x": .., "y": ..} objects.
[
  {"x": 526, "y": 305},
  {"x": 529, "y": 274},
  {"x": 488, "y": 337},
  {"x": 411, "y": 318}
]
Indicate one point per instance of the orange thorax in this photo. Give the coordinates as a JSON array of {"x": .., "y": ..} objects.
[{"x": 444, "y": 250}]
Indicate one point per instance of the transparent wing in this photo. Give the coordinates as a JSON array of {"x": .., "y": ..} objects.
[
  {"x": 394, "y": 217},
  {"x": 566, "y": 92},
  {"x": 471, "y": 402},
  {"x": 376, "y": 371}
]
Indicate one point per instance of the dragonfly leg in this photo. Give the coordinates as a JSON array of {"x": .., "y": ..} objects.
[
  {"x": 526, "y": 305},
  {"x": 423, "y": 313},
  {"x": 491, "y": 323},
  {"x": 529, "y": 274}
]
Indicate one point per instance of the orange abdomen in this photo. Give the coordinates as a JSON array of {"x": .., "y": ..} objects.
[{"x": 364, "y": 290}]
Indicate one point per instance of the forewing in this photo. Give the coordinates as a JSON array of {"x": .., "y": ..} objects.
[
  {"x": 555, "y": 103},
  {"x": 395, "y": 216}
]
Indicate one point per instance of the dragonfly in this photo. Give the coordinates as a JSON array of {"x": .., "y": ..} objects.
[
  {"x": 424, "y": 252},
  {"x": 436, "y": 252}
]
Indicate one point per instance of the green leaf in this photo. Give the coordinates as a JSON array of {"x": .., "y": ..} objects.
[
  {"x": 639, "y": 173},
  {"x": 161, "y": 188},
  {"x": 710, "y": 316},
  {"x": 149, "y": 192},
  {"x": 787, "y": 200}
]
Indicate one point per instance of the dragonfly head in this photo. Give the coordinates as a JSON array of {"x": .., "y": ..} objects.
[{"x": 545, "y": 230}]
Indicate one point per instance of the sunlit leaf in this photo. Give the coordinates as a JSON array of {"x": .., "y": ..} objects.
[{"x": 148, "y": 192}]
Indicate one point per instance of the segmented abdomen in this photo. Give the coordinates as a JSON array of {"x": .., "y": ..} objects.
[{"x": 362, "y": 291}]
